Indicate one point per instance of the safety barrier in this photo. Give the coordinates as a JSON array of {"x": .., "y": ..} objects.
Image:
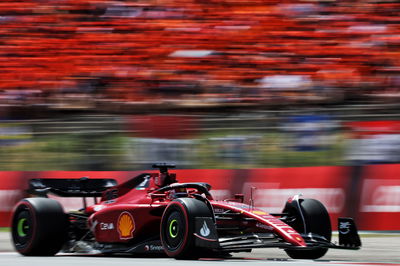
[{"x": 370, "y": 194}]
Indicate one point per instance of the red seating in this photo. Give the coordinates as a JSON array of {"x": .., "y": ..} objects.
[{"x": 127, "y": 45}]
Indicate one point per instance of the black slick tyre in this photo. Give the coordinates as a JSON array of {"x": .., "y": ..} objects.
[
  {"x": 39, "y": 227},
  {"x": 178, "y": 225},
  {"x": 316, "y": 221}
]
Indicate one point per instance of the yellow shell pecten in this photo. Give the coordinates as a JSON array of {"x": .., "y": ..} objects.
[{"x": 126, "y": 225}]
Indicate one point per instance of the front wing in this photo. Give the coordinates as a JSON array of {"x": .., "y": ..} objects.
[{"x": 207, "y": 237}]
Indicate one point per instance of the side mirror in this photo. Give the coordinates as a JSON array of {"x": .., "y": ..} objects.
[
  {"x": 239, "y": 197},
  {"x": 155, "y": 196}
]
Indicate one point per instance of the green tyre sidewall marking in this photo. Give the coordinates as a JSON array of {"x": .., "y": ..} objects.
[
  {"x": 171, "y": 225},
  {"x": 20, "y": 227}
]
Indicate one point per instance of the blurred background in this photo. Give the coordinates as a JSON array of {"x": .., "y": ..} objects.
[
  {"x": 289, "y": 96},
  {"x": 118, "y": 85}
]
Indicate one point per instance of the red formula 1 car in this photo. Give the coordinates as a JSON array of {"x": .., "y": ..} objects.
[{"x": 153, "y": 213}]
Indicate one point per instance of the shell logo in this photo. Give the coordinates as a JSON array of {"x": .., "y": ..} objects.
[{"x": 125, "y": 225}]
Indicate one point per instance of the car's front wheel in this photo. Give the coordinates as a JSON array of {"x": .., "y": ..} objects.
[
  {"x": 178, "y": 225},
  {"x": 312, "y": 217}
]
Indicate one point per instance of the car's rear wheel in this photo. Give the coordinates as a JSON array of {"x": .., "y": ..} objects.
[
  {"x": 316, "y": 221},
  {"x": 178, "y": 225},
  {"x": 39, "y": 227}
]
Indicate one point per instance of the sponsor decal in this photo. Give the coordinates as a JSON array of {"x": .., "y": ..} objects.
[
  {"x": 98, "y": 208},
  {"x": 218, "y": 210},
  {"x": 125, "y": 225},
  {"x": 264, "y": 226},
  {"x": 239, "y": 205},
  {"x": 153, "y": 248},
  {"x": 344, "y": 227},
  {"x": 93, "y": 226},
  {"x": 381, "y": 195},
  {"x": 107, "y": 226},
  {"x": 274, "y": 198},
  {"x": 260, "y": 212},
  {"x": 204, "y": 230}
]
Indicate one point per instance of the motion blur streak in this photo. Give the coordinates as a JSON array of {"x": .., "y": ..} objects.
[
  {"x": 101, "y": 85},
  {"x": 78, "y": 52}
]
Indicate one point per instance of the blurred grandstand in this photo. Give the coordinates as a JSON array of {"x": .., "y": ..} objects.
[
  {"x": 297, "y": 70},
  {"x": 92, "y": 53}
]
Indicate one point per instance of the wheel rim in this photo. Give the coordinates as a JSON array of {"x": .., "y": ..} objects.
[
  {"x": 22, "y": 227},
  {"x": 175, "y": 230}
]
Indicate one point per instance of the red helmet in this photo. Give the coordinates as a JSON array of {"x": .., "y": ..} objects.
[{"x": 165, "y": 179}]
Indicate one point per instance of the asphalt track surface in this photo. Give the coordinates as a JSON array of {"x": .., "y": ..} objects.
[{"x": 376, "y": 250}]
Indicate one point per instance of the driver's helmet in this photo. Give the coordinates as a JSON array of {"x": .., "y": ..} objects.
[{"x": 165, "y": 179}]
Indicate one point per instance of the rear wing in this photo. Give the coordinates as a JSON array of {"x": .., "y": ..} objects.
[{"x": 81, "y": 187}]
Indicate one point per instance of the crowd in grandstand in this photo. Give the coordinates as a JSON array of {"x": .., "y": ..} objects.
[{"x": 199, "y": 51}]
